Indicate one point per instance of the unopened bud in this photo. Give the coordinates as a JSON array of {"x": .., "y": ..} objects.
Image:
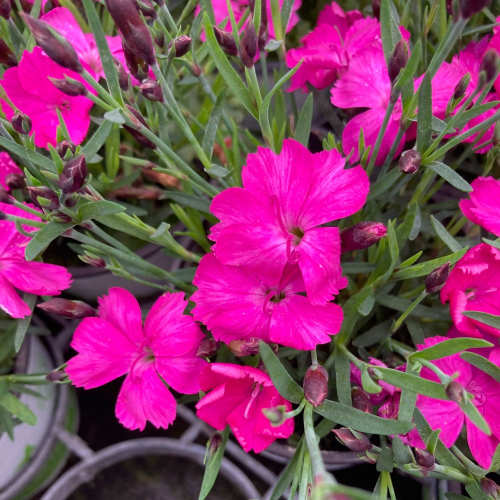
[
  {"x": 7, "y": 57},
  {"x": 470, "y": 7},
  {"x": 214, "y": 443},
  {"x": 455, "y": 392},
  {"x": 461, "y": 87},
  {"x": 316, "y": 384},
  {"x": 71, "y": 309},
  {"x": 490, "y": 487},
  {"x": 53, "y": 44},
  {"x": 93, "y": 260},
  {"x": 138, "y": 120},
  {"x": 207, "y": 348},
  {"x": 264, "y": 27},
  {"x": 21, "y": 123},
  {"x": 5, "y": 8},
  {"x": 376, "y": 9},
  {"x": 181, "y": 44},
  {"x": 44, "y": 197},
  {"x": 398, "y": 60},
  {"x": 138, "y": 67},
  {"x": 15, "y": 181},
  {"x": 160, "y": 40},
  {"x": 151, "y": 90},
  {"x": 249, "y": 44},
  {"x": 60, "y": 217},
  {"x": 122, "y": 74},
  {"x": 147, "y": 8},
  {"x": 69, "y": 86},
  {"x": 226, "y": 41},
  {"x": 74, "y": 175},
  {"x": 409, "y": 162},
  {"x": 252, "y": 345},
  {"x": 489, "y": 64},
  {"x": 425, "y": 458},
  {"x": 237, "y": 347},
  {"x": 437, "y": 278},
  {"x": 58, "y": 375},
  {"x": 275, "y": 415},
  {"x": 361, "y": 400},
  {"x": 355, "y": 442},
  {"x": 135, "y": 33},
  {"x": 64, "y": 146},
  {"x": 5, "y": 197},
  {"x": 361, "y": 235}
]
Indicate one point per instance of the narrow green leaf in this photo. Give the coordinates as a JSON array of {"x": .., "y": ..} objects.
[
  {"x": 495, "y": 461},
  {"x": 472, "y": 413},
  {"x": 474, "y": 112},
  {"x": 218, "y": 171},
  {"x": 369, "y": 385},
  {"x": 449, "y": 347},
  {"x": 432, "y": 441},
  {"x": 18, "y": 409},
  {"x": 286, "y": 13},
  {"x": 424, "y": 121},
  {"x": 410, "y": 261},
  {"x": 188, "y": 200},
  {"x": 374, "y": 335},
  {"x": 402, "y": 455},
  {"x": 104, "y": 52},
  {"x": 343, "y": 378},
  {"x": 388, "y": 28},
  {"x": 437, "y": 125},
  {"x": 99, "y": 209},
  {"x": 401, "y": 305},
  {"x": 408, "y": 398},
  {"x": 284, "y": 384},
  {"x": 229, "y": 75},
  {"x": 385, "y": 460},
  {"x": 213, "y": 125},
  {"x": 483, "y": 364},
  {"x": 385, "y": 183},
  {"x": 303, "y": 127},
  {"x": 24, "y": 323},
  {"x": 351, "y": 308},
  {"x": 116, "y": 116},
  {"x": 476, "y": 492},
  {"x": 212, "y": 466},
  {"x": 288, "y": 473},
  {"x": 6, "y": 422},
  {"x": 26, "y": 154},
  {"x": 450, "y": 176},
  {"x": 416, "y": 331},
  {"x": 444, "y": 236},
  {"x": 361, "y": 421},
  {"x": 44, "y": 237},
  {"x": 486, "y": 318}
]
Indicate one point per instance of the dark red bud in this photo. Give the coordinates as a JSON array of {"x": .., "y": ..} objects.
[
  {"x": 263, "y": 29},
  {"x": 424, "y": 458},
  {"x": 21, "y": 123},
  {"x": 151, "y": 90},
  {"x": 461, "y": 87},
  {"x": 376, "y": 8},
  {"x": 437, "y": 278},
  {"x": 135, "y": 33},
  {"x": 44, "y": 197},
  {"x": 74, "y": 175},
  {"x": 214, "y": 443},
  {"x": 64, "y": 146},
  {"x": 5, "y": 8},
  {"x": 252, "y": 345},
  {"x": 226, "y": 41},
  {"x": 358, "y": 442},
  {"x": 409, "y": 162},
  {"x": 5, "y": 197},
  {"x": 138, "y": 120},
  {"x": 58, "y": 375},
  {"x": 7, "y": 57},
  {"x": 455, "y": 392},
  {"x": 470, "y": 7},
  {"x": 93, "y": 261},
  {"x": 15, "y": 181},
  {"x": 361, "y": 235},
  {"x": 60, "y": 217},
  {"x": 207, "y": 348},
  {"x": 489, "y": 64},
  {"x": 489, "y": 487},
  {"x": 182, "y": 44},
  {"x": 147, "y": 8},
  {"x": 53, "y": 44},
  {"x": 249, "y": 44},
  {"x": 70, "y": 87},
  {"x": 237, "y": 347},
  {"x": 361, "y": 400},
  {"x": 398, "y": 60},
  {"x": 160, "y": 40},
  {"x": 71, "y": 309},
  {"x": 138, "y": 67},
  {"x": 316, "y": 385},
  {"x": 122, "y": 74}
]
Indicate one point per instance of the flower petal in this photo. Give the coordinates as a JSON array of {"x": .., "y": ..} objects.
[
  {"x": 481, "y": 445},
  {"x": 10, "y": 302}
]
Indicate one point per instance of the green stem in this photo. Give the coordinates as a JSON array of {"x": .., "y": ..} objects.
[
  {"x": 163, "y": 29},
  {"x": 305, "y": 475},
  {"x": 170, "y": 20},
  {"x": 99, "y": 102},
  {"x": 101, "y": 91},
  {"x": 380, "y": 136},
  {"x": 23, "y": 221},
  {"x": 28, "y": 379},
  {"x": 408, "y": 311},
  {"x": 318, "y": 466},
  {"x": 30, "y": 210},
  {"x": 109, "y": 239},
  {"x": 254, "y": 85}
]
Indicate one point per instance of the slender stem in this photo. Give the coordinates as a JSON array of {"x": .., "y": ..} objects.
[
  {"x": 305, "y": 475},
  {"x": 163, "y": 28},
  {"x": 380, "y": 136},
  {"x": 254, "y": 85},
  {"x": 22, "y": 220},
  {"x": 408, "y": 311},
  {"x": 391, "y": 153},
  {"x": 169, "y": 18},
  {"x": 108, "y": 238},
  {"x": 314, "y": 357},
  {"x": 312, "y": 443},
  {"x": 30, "y": 210},
  {"x": 99, "y": 102},
  {"x": 99, "y": 89},
  {"x": 30, "y": 379}
]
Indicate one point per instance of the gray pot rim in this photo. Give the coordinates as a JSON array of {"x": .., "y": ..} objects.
[{"x": 85, "y": 470}]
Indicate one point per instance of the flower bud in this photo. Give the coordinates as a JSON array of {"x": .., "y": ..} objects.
[
  {"x": 74, "y": 174},
  {"x": 461, "y": 87},
  {"x": 361, "y": 400},
  {"x": 489, "y": 487},
  {"x": 275, "y": 415},
  {"x": 182, "y": 44},
  {"x": 60, "y": 217},
  {"x": 21, "y": 123},
  {"x": 252, "y": 345},
  {"x": 470, "y": 7},
  {"x": 489, "y": 64},
  {"x": 71, "y": 309},
  {"x": 160, "y": 40},
  {"x": 264, "y": 28},
  {"x": 361, "y": 235},
  {"x": 138, "y": 68},
  {"x": 437, "y": 278},
  {"x": 214, "y": 443},
  {"x": 226, "y": 41},
  {"x": 137, "y": 118},
  {"x": 122, "y": 74},
  {"x": 7, "y": 57},
  {"x": 455, "y": 392},
  {"x": 5, "y": 197},
  {"x": 53, "y": 44},
  {"x": 15, "y": 181},
  {"x": 147, "y": 8},
  {"x": 57, "y": 375},
  {"x": 424, "y": 458},
  {"x": 398, "y": 60},
  {"x": 151, "y": 90},
  {"x": 316, "y": 384},
  {"x": 64, "y": 146},
  {"x": 376, "y": 8},
  {"x": 409, "y": 162},
  {"x": 207, "y": 348},
  {"x": 135, "y": 33},
  {"x": 5, "y": 8},
  {"x": 44, "y": 197},
  {"x": 237, "y": 347},
  {"x": 249, "y": 44},
  {"x": 93, "y": 260},
  {"x": 69, "y": 86},
  {"x": 358, "y": 442}
]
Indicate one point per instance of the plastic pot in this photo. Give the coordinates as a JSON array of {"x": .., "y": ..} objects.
[
  {"x": 36, "y": 456},
  {"x": 112, "y": 461}
]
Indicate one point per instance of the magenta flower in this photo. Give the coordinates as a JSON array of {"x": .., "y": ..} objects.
[
  {"x": 162, "y": 352},
  {"x": 366, "y": 84},
  {"x": 16, "y": 272},
  {"x": 330, "y": 47},
  {"x": 275, "y": 218},
  {"x": 473, "y": 285},
  {"x": 449, "y": 417},
  {"x": 236, "y": 304},
  {"x": 7, "y": 166},
  {"x": 483, "y": 207},
  {"x": 239, "y": 395},
  {"x": 41, "y": 101}
]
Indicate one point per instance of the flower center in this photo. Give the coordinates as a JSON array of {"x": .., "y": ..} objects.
[
  {"x": 295, "y": 234},
  {"x": 479, "y": 397},
  {"x": 144, "y": 357},
  {"x": 272, "y": 297},
  {"x": 64, "y": 105},
  {"x": 470, "y": 293}
]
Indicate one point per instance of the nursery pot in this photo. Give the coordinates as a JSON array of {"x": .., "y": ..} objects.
[
  {"x": 149, "y": 468},
  {"x": 36, "y": 456}
]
